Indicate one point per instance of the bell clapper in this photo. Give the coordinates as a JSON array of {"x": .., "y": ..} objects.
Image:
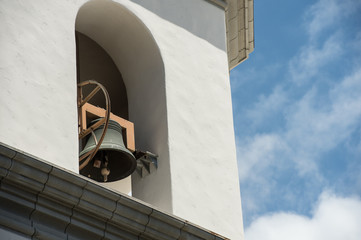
[{"x": 105, "y": 171}]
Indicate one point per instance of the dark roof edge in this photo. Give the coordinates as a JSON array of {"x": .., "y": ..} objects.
[{"x": 39, "y": 200}]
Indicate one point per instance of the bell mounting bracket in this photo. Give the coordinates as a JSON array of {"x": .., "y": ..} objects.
[{"x": 86, "y": 109}]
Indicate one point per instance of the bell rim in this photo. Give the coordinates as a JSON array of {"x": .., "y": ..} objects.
[
  {"x": 130, "y": 156},
  {"x": 109, "y": 146}
]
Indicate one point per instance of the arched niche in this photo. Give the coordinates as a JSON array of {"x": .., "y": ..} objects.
[{"x": 135, "y": 53}]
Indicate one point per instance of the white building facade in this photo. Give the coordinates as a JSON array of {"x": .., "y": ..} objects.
[{"x": 170, "y": 61}]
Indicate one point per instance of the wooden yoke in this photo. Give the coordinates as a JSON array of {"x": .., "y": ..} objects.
[{"x": 93, "y": 112}]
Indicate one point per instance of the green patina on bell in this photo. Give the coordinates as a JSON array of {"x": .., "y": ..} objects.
[{"x": 113, "y": 160}]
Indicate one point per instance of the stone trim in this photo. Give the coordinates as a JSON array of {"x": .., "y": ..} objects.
[
  {"x": 42, "y": 201},
  {"x": 239, "y": 28}
]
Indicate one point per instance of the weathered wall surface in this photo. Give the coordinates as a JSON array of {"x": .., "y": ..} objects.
[{"x": 178, "y": 94}]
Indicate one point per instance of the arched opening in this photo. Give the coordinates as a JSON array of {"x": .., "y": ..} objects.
[
  {"x": 94, "y": 63},
  {"x": 115, "y": 33}
]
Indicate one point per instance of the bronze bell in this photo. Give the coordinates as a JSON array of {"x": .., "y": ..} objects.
[{"x": 113, "y": 160}]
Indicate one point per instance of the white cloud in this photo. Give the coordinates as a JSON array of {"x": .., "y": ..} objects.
[
  {"x": 333, "y": 218},
  {"x": 266, "y": 106},
  {"x": 323, "y": 14},
  {"x": 326, "y": 14},
  {"x": 314, "y": 128},
  {"x": 311, "y": 128},
  {"x": 257, "y": 154},
  {"x": 308, "y": 63},
  {"x": 259, "y": 163}
]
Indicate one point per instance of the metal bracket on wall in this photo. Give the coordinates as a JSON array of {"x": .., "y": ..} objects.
[{"x": 147, "y": 162}]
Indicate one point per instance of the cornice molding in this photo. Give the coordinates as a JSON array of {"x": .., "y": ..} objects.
[
  {"x": 43, "y": 201},
  {"x": 239, "y": 28}
]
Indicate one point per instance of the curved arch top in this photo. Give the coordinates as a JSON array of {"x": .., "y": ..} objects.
[{"x": 122, "y": 34}]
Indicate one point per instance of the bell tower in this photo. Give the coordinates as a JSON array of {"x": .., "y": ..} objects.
[
  {"x": 177, "y": 93},
  {"x": 165, "y": 66}
]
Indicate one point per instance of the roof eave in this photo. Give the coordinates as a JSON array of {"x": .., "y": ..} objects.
[{"x": 41, "y": 200}]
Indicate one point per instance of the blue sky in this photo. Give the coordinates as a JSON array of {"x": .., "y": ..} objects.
[{"x": 297, "y": 117}]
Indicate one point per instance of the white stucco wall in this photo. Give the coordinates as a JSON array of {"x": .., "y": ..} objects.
[
  {"x": 37, "y": 80},
  {"x": 179, "y": 98},
  {"x": 203, "y": 164}
]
